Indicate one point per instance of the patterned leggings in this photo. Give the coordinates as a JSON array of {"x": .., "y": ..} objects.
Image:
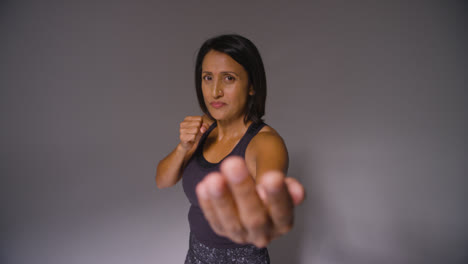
[{"x": 199, "y": 253}]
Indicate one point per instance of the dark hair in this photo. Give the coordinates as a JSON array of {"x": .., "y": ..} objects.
[{"x": 244, "y": 52}]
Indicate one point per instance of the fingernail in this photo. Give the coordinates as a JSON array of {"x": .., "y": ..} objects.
[
  {"x": 215, "y": 185},
  {"x": 234, "y": 169},
  {"x": 272, "y": 182},
  {"x": 261, "y": 192},
  {"x": 272, "y": 190},
  {"x": 216, "y": 191}
]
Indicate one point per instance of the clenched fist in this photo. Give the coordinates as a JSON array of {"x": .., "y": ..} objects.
[
  {"x": 246, "y": 211},
  {"x": 191, "y": 130}
]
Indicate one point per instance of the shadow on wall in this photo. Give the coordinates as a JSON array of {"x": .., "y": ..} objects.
[{"x": 309, "y": 216}]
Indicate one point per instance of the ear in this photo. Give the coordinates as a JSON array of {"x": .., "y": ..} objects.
[{"x": 251, "y": 90}]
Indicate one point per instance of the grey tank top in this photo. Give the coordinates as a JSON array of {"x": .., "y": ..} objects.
[{"x": 197, "y": 168}]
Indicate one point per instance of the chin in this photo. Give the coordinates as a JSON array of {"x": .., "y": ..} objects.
[
  {"x": 216, "y": 115},
  {"x": 222, "y": 116}
]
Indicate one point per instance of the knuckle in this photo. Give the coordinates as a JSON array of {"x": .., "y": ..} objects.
[
  {"x": 185, "y": 137},
  {"x": 261, "y": 241},
  {"x": 236, "y": 233},
  {"x": 183, "y": 132},
  {"x": 285, "y": 229},
  {"x": 238, "y": 240},
  {"x": 247, "y": 191},
  {"x": 256, "y": 222},
  {"x": 218, "y": 229},
  {"x": 235, "y": 230}
]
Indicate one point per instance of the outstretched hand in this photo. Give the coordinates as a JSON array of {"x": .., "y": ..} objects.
[{"x": 246, "y": 211}]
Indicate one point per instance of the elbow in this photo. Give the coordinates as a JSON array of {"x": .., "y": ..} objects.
[
  {"x": 159, "y": 182},
  {"x": 162, "y": 182},
  {"x": 165, "y": 178},
  {"x": 160, "y": 185}
]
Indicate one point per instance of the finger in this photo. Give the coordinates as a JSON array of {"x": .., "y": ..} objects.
[
  {"x": 296, "y": 190},
  {"x": 278, "y": 200},
  {"x": 191, "y": 130},
  {"x": 191, "y": 124},
  {"x": 204, "y": 127},
  {"x": 207, "y": 208},
  {"x": 225, "y": 207},
  {"x": 262, "y": 194},
  {"x": 201, "y": 131},
  {"x": 187, "y": 136},
  {"x": 252, "y": 213},
  {"x": 193, "y": 118}
]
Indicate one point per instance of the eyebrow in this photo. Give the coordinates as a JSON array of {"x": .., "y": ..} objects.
[{"x": 223, "y": 72}]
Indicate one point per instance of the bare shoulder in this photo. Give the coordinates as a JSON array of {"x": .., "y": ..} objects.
[
  {"x": 267, "y": 137},
  {"x": 267, "y": 151},
  {"x": 268, "y": 144}
]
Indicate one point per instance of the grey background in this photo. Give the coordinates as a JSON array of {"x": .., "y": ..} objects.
[{"x": 370, "y": 97}]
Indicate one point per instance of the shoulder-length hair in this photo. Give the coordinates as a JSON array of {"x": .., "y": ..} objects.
[{"x": 244, "y": 52}]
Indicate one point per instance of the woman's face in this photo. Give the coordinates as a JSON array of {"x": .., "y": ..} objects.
[{"x": 225, "y": 86}]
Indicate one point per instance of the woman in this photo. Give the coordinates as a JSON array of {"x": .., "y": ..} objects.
[{"x": 232, "y": 164}]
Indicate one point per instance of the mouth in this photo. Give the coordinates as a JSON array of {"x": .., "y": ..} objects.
[{"x": 217, "y": 104}]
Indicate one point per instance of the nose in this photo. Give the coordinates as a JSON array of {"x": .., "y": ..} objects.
[{"x": 218, "y": 89}]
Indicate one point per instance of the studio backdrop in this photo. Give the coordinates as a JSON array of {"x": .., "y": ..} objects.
[{"x": 369, "y": 96}]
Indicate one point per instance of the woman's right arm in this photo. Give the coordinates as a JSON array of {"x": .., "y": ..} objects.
[{"x": 169, "y": 170}]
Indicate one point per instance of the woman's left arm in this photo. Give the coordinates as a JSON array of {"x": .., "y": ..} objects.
[
  {"x": 252, "y": 201},
  {"x": 266, "y": 152}
]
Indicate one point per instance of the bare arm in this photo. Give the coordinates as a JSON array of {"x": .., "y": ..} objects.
[
  {"x": 266, "y": 152},
  {"x": 170, "y": 169}
]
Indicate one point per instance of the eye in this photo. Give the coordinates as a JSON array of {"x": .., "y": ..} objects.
[
  {"x": 207, "y": 78},
  {"x": 229, "y": 78}
]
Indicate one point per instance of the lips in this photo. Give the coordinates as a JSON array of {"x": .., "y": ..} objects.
[{"x": 217, "y": 104}]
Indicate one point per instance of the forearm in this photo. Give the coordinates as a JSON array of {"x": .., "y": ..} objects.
[{"x": 169, "y": 170}]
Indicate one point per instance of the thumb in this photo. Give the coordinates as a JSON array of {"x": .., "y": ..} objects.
[
  {"x": 296, "y": 190},
  {"x": 201, "y": 131},
  {"x": 203, "y": 128}
]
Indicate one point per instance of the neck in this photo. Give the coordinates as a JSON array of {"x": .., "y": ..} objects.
[{"x": 231, "y": 129}]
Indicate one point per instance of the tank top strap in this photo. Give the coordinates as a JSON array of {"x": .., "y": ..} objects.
[
  {"x": 252, "y": 131},
  {"x": 201, "y": 142},
  {"x": 239, "y": 149}
]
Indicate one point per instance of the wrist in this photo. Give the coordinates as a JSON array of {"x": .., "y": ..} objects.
[{"x": 180, "y": 149}]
